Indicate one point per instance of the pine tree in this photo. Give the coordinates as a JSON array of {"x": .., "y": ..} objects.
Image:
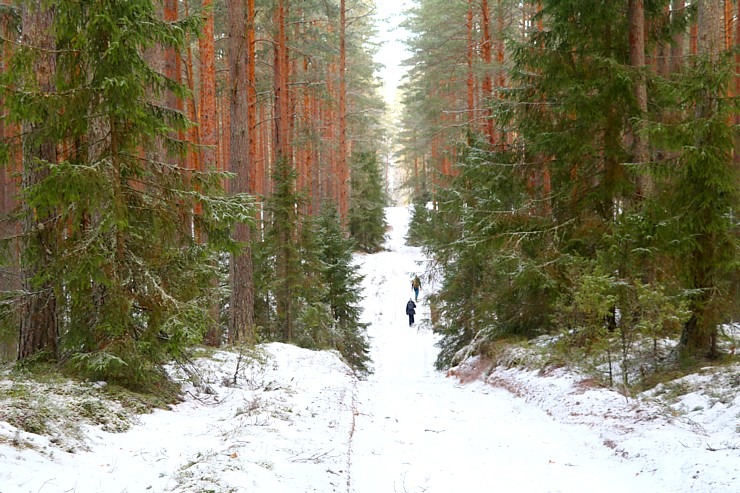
[{"x": 241, "y": 163}]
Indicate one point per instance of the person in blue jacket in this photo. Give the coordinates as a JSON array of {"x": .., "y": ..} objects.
[{"x": 410, "y": 311}]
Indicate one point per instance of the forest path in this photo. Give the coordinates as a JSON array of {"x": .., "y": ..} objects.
[{"x": 418, "y": 431}]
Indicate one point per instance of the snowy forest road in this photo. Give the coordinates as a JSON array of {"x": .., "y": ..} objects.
[{"x": 417, "y": 431}]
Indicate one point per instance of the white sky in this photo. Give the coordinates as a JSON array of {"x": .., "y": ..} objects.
[
  {"x": 389, "y": 15},
  {"x": 301, "y": 423}
]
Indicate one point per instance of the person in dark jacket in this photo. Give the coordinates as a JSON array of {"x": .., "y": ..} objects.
[{"x": 410, "y": 311}]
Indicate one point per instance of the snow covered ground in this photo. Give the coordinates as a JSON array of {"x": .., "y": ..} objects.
[{"x": 297, "y": 421}]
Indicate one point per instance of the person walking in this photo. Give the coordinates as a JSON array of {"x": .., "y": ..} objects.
[
  {"x": 416, "y": 285},
  {"x": 411, "y": 311}
]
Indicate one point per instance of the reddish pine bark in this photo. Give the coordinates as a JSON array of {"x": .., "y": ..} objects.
[
  {"x": 281, "y": 113},
  {"x": 501, "y": 79},
  {"x": 223, "y": 131},
  {"x": 303, "y": 151},
  {"x": 344, "y": 182},
  {"x": 728, "y": 24},
  {"x": 255, "y": 173},
  {"x": 172, "y": 62},
  {"x": 735, "y": 89},
  {"x": 315, "y": 161},
  {"x": 469, "y": 60},
  {"x": 487, "y": 55},
  {"x": 263, "y": 167},
  {"x": 192, "y": 110},
  {"x": 331, "y": 188},
  {"x": 241, "y": 307},
  {"x": 207, "y": 123}
]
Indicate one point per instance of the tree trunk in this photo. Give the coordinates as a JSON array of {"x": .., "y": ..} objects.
[
  {"x": 342, "y": 154},
  {"x": 263, "y": 167},
  {"x": 207, "y": 121},
  {"x": 469, "y": 60},
  {"x": 208, "y": 135},
  {"x": 728, "y": 24},
  {"x": 678, "y": 40},
  {"x": 331, "y": 190},
  {"x": 281, "y": 67},
  {"x": 241, "y": 308},
  {"x": 500, "y": 58},
  {"x": 172, "y": 62},
  {"x": 636, "y": 15},
  {"x": 664, "y": 49},
  {"x": 709, "y": 24},
  {"x": 487, "y": 55},
  {"x": 223, "y": 120},
  {"x": 254, "y": 174},
  {"x": 9, "y": 134},
  {"x": 736, "y": 93},
  {"x": 38, "y": 325},
  {"x": 546, "y": 174},
  {"x": 316, "y": 188},
  {"x": 305, "y": 173}
]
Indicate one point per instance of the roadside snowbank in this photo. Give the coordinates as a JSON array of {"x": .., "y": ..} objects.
[
  {"x": 686, "y": 431},
  {"x": 284, "y": 426}
]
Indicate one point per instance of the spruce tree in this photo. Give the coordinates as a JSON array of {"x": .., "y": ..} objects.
[
  {"x": 132, "y": 282},
  {"x": 421, "y": 224},
  {"x": 39, "y": 330},
  {"x": 366, "y": 219},
  {"x": 697, "y": 198},
  {"x": 489, "y": 254},
  {"x": 283, "y": 247},
  {"x": 314, "y": 321},
  {"x": 342, "y": 294}
]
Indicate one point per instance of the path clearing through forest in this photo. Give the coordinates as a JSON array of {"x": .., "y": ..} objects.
[{"x": 418, "y": 431}]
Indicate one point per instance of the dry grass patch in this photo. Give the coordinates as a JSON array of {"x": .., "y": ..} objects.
[{"x": 472, "y": 370}]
